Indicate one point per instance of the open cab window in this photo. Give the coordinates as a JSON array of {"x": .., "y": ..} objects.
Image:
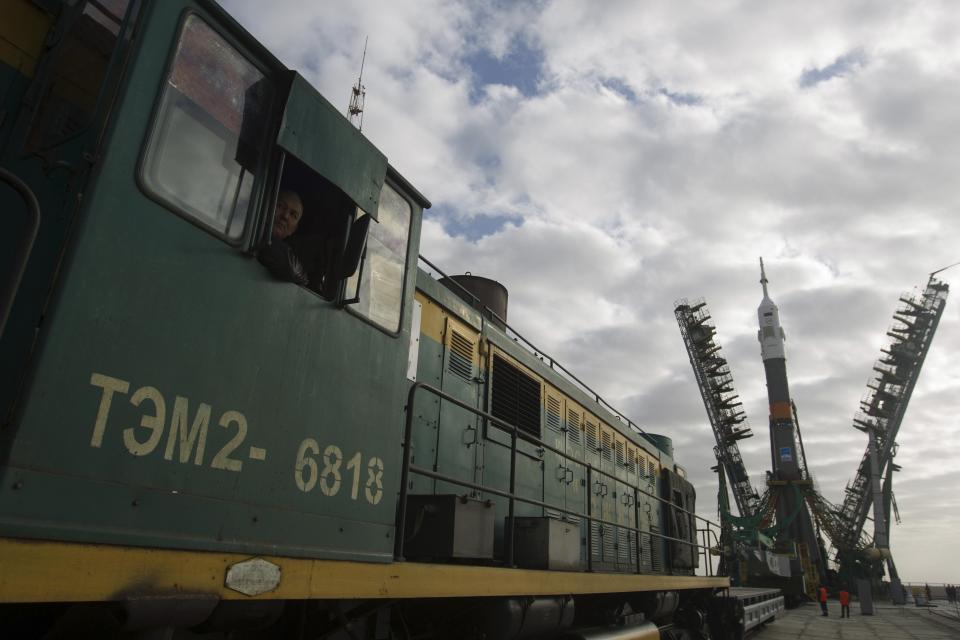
[
  {"x": 368, "y": 267},
  {"x": 321, "y": 247},
  {"x": 343, "y": 252},
  {"x": 203, "y": 153}
]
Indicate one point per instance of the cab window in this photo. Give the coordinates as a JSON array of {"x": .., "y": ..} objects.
[
  {"x": 203, "y": 153},
  {"x": 377, "y": 287},
  {"x": 76, "y": 83},
  {"x": 319, "y": 242}
]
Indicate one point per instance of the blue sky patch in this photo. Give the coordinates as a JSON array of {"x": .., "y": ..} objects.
[
  {"x": 840, "y": 67},
  {"x": 472, "y": 228},
  {"x": 683, "y": 99},
  {"x": 520, "y": 67},
  {"x": 619, "y": 86}
]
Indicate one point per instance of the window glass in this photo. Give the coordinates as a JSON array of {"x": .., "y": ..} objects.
[
  {"x": 204, "y": 147},
  {"x": 77, "y": 77},
  {"x": 380, "y": 281}
]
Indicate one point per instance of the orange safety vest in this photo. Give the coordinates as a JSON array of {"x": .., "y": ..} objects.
[
  {"x": 844, "y": 598},
  {"x": 823, "y": 594}
]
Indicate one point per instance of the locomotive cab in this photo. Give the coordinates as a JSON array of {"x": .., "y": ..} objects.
[{"x": 165, "y": 389}]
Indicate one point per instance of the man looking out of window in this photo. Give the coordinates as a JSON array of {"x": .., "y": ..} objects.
[{"x": 279, "y": 257}]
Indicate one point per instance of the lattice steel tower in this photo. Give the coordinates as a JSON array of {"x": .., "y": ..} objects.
[
  {"x": 722, "y": 403},
  {"x": 881, "y": 413}
]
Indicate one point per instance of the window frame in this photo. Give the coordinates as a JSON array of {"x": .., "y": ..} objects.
[
  {"x": 351, "y": 308},
  {"x": 263, "y": 178}
]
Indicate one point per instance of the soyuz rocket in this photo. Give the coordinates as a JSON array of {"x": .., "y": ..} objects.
[
  {"x": 793, "y": 518},
  {"x": 783, "y": 448}
]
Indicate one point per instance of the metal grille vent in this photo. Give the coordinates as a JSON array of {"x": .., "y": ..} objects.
[
  {"x": 606, "y": 451},
  {"x": 657, "y": 550},
  {"x": 573, "y": 427},
  {"x": 653, "y": 472},
  {"x": 461, "y": 356},
  {"x": 553, "y": 414},
  {"x": 631, "y": 460},
  {"x": 515, "y": 397},
  {"x": 645, "y": 551},
  {"x": 595, "y": 548},
  {"x": 592, "y": 444},
  {"x": 621, "y": 460},
  {"x": 609, "y": 544},
  {"x": 623, "y": 546},
  {"x": 641, "y": 466}
]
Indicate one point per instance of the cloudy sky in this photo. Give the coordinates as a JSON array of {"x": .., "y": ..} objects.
[{"x": 604, "y": 159}]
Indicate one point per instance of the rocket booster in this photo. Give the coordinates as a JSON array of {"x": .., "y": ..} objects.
[{"x": 771, "y": 336}]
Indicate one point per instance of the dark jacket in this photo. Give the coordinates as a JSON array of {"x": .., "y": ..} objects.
[
  {"x": 283, "y": 262},
  {"x": 302, "y": 259}
]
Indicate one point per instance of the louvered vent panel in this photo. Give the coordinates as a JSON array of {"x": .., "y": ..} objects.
[
  {"x": 609, "y": 544},
  {"x": 553, "y": 414},
  {"x": 596, "y": 547},
  {"x": 653, "y": 472},
  {"x": 631, "y": 460},
  {"x": 515, "y": 397},
  {"x": 621, "y": 459},
  {"x": 592, "y": 444},
  {"x": 461, "y": 356},
  {"x": 623, "y": 546},
  {"x": 632, "y": 541},
  {"x": 607, "y": 450},
  {"x": 641, "y": 466},
  {"x": 645, "y": 551},
  {"x": 656, "y": 555},
  {"x": 573, "y": 427}
]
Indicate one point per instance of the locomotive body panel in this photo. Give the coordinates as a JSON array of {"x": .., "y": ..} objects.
[{"x": 587, "y": 466}]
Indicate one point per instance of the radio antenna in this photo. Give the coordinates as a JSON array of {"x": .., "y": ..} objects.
[{"x": 358, "y": 94}]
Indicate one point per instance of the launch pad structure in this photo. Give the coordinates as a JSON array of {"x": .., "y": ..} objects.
[{"x": 776, "y": 540}]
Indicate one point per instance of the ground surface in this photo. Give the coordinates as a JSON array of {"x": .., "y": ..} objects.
[{"x": 909, "y": 622}]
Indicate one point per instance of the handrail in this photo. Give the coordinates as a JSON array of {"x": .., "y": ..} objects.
[
  {"x": 708, "y": 559},
  {"x": 12, "y": 284},
  {"x": 515, "y": 435},
  {"x": 539, "y": 353}
]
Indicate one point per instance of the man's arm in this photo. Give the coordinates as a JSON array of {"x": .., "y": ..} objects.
[{"x": 281, "y": 261}]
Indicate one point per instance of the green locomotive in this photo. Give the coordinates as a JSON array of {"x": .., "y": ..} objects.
[{"x": 189, "y": 445}]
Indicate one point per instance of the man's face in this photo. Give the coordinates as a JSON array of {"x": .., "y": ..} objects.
[{"x": 289, "y": 211}]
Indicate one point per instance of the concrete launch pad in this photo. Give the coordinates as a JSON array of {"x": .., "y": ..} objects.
[{"x": 887, "y": 621}]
